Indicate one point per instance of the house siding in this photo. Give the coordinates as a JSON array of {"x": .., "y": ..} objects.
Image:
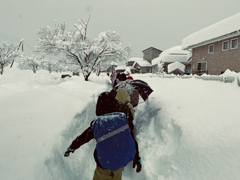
[
  {"x": 151, "y": 53},
  {"x": 218, "y": 61}
]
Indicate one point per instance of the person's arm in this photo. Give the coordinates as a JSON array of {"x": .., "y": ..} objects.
[
  {"x": 131, "y": 112},
  {"x": 131, "y": 126},
  {"x": 137, "y": 159},
  {"x": 85, "y": 137}
]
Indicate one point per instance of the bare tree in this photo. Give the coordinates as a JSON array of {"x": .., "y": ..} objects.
[{"x": 88, "y": 54}]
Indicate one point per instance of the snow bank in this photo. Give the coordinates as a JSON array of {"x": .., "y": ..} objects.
[{"x": 184, "y": 130}]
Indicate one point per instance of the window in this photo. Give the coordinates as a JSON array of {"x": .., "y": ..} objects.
[
  {"x": 210, "y": 49},
  {"x": 202, "y": 67},
  {"x": 234, "y": 43},
  {"x": 225, "y": 45}
]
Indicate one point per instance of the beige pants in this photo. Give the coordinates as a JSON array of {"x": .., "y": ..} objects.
[{"x": 106, "y": 174}]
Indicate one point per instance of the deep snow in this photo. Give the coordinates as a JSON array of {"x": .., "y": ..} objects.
[{"x": 188, "y": 129}]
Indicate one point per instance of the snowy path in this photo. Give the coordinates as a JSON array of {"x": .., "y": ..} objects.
[
  {"x": 188, "y": 129},
  {"x": 163, "y": 134},
  {"x": 172, "y": 140}
]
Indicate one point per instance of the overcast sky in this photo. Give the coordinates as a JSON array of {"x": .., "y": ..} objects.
[{"x": 143, "y": 23}]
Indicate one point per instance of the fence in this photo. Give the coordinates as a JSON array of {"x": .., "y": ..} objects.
[{"x": 225, "y": 79}]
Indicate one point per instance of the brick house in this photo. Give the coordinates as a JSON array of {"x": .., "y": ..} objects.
[{"x": 215, "y": 48}]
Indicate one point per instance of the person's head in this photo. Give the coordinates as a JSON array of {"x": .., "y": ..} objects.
[
  {"x": 104, "y": 103},
  {"x": 118, "y": 75},
  {"x": 122, "y": 96},
  {"x": 122, "y": 77}
]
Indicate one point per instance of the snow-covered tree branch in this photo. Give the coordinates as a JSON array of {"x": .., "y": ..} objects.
[
  {"x": 87, "y": 53},
  {"x": 50, "y": 63},
  {"x": 32, "y": 62},
  {"x": 8, "y": 53}
]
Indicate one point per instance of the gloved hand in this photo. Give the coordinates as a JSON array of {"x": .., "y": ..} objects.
[
  {"x": 137, "y": 162},
  {"x": 69, "y": 150}
]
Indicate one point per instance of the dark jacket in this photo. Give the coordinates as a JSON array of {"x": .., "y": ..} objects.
[{"x": 105, "y": 106}]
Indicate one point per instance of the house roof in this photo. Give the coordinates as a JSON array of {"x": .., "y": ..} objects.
[
  {"x": 152, "y": 48},
  {"x": 135, "y": 59},
  {"x": 173, "y": 54},
  {"x": 183, "y": 58},
  {"x": 176, "y": 66},
  {"x": 226, "y": 28},
  {"x": 120, "y": 68},
  {"x": 142, "y": 63}
]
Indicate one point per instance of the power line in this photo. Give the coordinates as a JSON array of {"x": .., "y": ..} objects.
[{"x": 10, "y": 38}]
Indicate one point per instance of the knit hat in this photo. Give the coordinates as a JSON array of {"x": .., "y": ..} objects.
[
  {"x": 122, "y": 77},
  {"x": 122, "y": 97},
  {"x": 129, "y": 78}
]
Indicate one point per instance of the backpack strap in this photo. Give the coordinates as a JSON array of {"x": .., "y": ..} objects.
[{"x": 110, "y": 134}]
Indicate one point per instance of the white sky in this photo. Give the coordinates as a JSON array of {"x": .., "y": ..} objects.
[{"x": 161, "y": 24}]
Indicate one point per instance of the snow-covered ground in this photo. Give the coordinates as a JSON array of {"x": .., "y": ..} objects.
[{"x": 187, "y": 130}]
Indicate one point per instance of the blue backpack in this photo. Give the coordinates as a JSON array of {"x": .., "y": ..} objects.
[{"x": 115, "y": 144}]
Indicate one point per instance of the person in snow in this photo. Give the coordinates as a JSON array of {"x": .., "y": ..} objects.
[
  {"x": 124, "y": 83},
  {"x": 134, "y": 95},
  {"x": 114, "y": 78},
  {"x": 111, "y": 159}
]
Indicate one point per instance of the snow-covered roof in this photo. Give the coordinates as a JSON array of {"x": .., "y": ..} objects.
[
  {"x": 173, "y": 54},
  {"x": 120, "y": 68},
  {"x": 225, "y": 28},
  {"x": 130, "y": 68},
  {"x": 156, "y": 61},
  {"x": 183, "y": 58},
  {"x": 135, "y": 59},
  {"x": 142, "y": 63},
  {"x": 151, "y": 48},
  {"x": 176, "y": 65}
]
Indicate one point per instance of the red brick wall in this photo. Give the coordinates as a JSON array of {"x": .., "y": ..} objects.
[{"x": 219, "y": 60}]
